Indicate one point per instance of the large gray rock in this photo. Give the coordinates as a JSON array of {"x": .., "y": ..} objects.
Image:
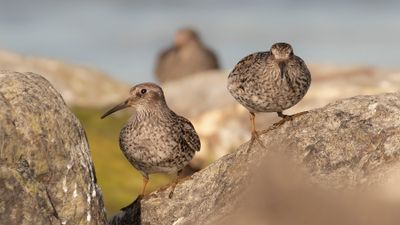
[
  {"x": 345, "y": 145},
  {"x": 46, "y": 172}
]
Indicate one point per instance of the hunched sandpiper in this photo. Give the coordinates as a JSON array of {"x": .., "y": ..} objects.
[{"x": 270, "y": 81}]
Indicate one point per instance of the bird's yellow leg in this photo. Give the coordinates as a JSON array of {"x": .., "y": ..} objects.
[
  {"x": 145, "y": 181},
  {"x": 299, "y": 114},
  {"x": 254, "y": 133},
  {"x": 286, "y": 118},
  {"x": 178, "y": 179},
  {"x": 253, "y": 125}
]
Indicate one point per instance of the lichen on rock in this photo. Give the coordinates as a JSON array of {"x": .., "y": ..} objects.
[{"x": 46, "y": 172}]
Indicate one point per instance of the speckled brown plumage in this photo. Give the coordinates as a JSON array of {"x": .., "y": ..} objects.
[
  {"x": 187, "y": 56},
  {"x": 155, "y": 139},
  {"x": 270, "y": 81}
]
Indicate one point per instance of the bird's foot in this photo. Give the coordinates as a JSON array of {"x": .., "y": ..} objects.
[
  {"x": 171, "y": 193},
  {"x": 286, "y": 118},
  {"x": 267, "y": 130},
  {"x": 173, "y": 185},
  {"x": 281, "y": 122},
  {"x": 135, "y": 202},
  {"x": 163, "y": 188},
  {"x": 254, "y": 134},
  {"x": 255, "y": 137},
  {"x": 299, "y": 114},
  {"x": 179, "y": 180}
]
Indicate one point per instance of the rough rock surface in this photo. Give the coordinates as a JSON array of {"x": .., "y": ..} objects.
[
  {"x": 46, "y": 173},
  {"x": 347, "y": 144},
  {"x": 223, "y": 124}
]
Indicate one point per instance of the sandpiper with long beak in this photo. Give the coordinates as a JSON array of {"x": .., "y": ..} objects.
[{"x": 155, "y": 139}]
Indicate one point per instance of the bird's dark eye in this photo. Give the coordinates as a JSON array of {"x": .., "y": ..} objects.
[{"x": 143, "y": 91}]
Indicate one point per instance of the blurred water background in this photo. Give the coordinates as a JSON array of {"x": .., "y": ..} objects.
[{"x": 123, "y": 37}]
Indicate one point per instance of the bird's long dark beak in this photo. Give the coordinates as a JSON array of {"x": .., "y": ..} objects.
[
  {"x": 118, "y": 107},
  {"x": 282, "y": 68}
]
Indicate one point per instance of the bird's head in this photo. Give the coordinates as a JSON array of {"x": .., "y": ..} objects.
[
  {"x": 142, "y": 97},
  {"x": 185, "y": 36},
  {"x": 282, "y": 51}
]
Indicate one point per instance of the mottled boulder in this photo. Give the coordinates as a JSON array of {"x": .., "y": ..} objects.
[
  {"x": 349, "y": 144},
  {"x": 46, "y": 172}
]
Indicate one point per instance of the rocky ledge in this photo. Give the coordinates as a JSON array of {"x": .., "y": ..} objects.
[{"x": 348, "y": 145}]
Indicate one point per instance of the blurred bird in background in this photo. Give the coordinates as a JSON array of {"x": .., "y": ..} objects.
[{"x": 187, "y": 56}]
